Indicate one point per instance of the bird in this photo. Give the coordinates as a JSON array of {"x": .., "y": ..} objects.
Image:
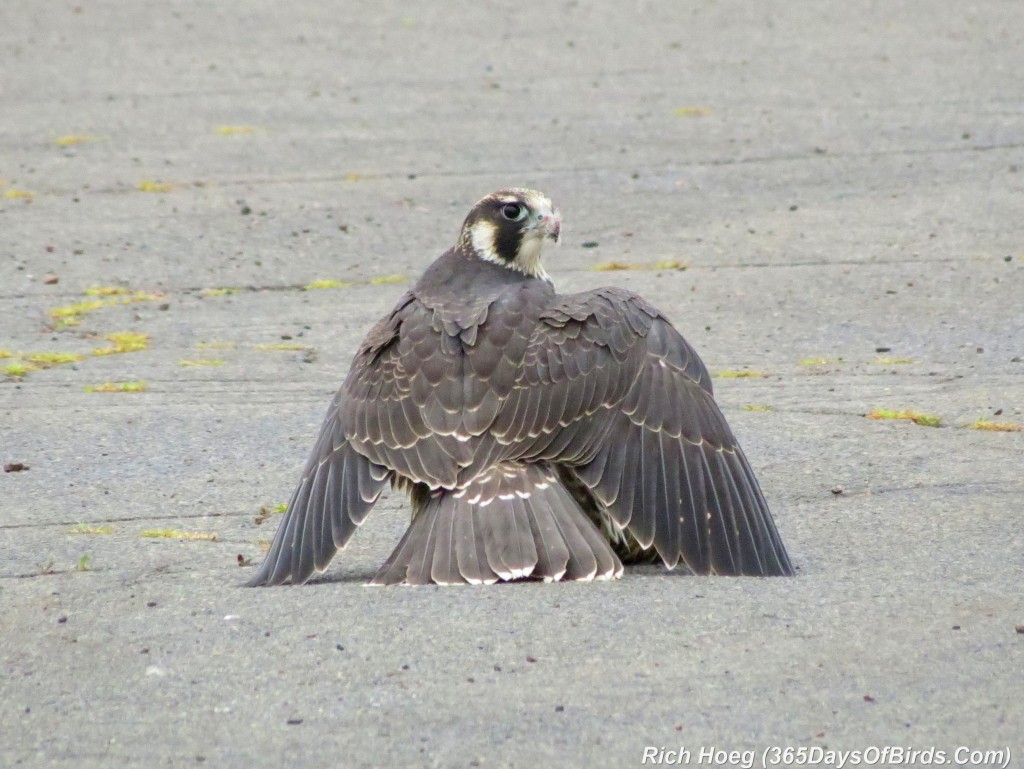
[{"x": 538, "y": 435}]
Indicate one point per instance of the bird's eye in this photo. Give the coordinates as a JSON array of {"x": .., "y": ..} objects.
[{"x": 513, "y": 211}]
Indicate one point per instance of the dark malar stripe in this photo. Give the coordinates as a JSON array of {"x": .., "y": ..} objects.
[{"x": 508, "y": 237}]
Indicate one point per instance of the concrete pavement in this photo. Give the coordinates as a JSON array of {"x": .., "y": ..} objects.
[{"x": 843, "y": 183}]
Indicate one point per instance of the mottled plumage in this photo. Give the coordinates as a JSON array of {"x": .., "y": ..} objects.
[{"x": 540, "y": 435}]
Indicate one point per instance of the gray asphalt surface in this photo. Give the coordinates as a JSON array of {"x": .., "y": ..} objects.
[{"x": 844, "y": 183}]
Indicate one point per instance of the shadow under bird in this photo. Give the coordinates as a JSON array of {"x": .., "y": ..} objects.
[{"x": 539, "y": 435}]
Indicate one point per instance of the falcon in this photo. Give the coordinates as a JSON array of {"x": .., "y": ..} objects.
[{"x": 538, "y": 435}]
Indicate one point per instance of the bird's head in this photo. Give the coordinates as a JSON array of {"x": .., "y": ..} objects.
[{"x": 509, "y": 227}]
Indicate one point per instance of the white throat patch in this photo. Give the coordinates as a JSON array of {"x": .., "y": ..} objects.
[
  {"x": 528, "y": 258},
  {"x": 527, "y": 261}
]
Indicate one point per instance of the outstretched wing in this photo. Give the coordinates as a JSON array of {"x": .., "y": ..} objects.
[
  {"x": 339, "y": 484},
  {"x": 614, "y": 395},
  {"x": 337, "y": 490}
]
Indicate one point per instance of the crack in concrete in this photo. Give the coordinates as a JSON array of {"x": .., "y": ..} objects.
[
  {"x": 131, "y": 519},
  {"x": 579, "y": 169}
]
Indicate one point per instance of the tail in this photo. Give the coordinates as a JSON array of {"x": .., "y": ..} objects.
[{"x": 511, "y": 522}]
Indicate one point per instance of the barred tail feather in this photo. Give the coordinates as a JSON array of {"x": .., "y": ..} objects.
[{"x": 512, "y": 522}]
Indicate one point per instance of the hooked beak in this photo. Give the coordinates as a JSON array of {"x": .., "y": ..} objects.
[{"x": 550, "y": 224}]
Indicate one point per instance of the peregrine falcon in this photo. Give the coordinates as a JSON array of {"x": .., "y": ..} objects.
[{"x": 539, "y": 435}]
